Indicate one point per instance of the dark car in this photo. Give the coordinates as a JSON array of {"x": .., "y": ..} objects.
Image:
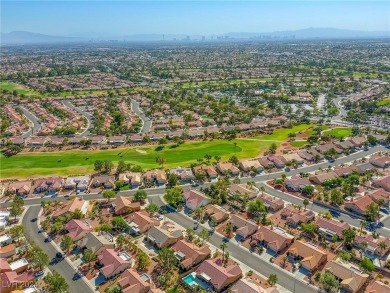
[
  {"x": 34, "y": 220},
  {"x": 47, "y": 239},
  {"x": 59, "y": 255},
  {"x": 39, "y": 274}
]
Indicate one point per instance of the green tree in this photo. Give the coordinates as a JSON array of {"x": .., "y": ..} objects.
[
  {"x": 256, "y": 207},
  {"x": 89, "y": 256},
  {"x": 17, "y": 232},
  {"x": 272, "y": 279},
  {"x": 329, "y": 282},
  {"x": 190, "y": 233},
  {"x": 174, "y": 196},
  {"x": 372, "y": 212},
  {"x": 66, "y": 243},
  {"x": 272, "y": 148},
  {"x": 152, "y": 208},
  {"x": 108, "y": 194},
  {"x": 336, "y": 197},
  {"x": 140, "y": 196},
  {"x": 107, "y": 167},
  {"x": 367, "y": 264},
  {"x": 98, "y": 164},
  {"x": 161, "y": 160},
  {"x": 143, "y": 261},
  {"x": 349, "y": 235},
  {"x": 167, "y": 259},
  {"x": 308, "y": 190},
  {"x": 122, "y": 167},
  {"x": 310, "y": 228},
  {"x": 119, "y": 223},
  {"x": 306, "y": 202},
  {"x": 204, "y": 235},
  {"x": 345, "y": 256},
  {"x": 55, "y": 283},
  {"x": 16, "y": 208},
  {"x": 172, "y": 180},
  {"x": 38, "y": 259},
  {"x": 234, "y": 160}
]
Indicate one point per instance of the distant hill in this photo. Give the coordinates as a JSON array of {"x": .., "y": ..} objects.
[{"x": 22, "y": 37}]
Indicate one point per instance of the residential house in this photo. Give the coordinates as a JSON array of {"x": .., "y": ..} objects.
[
  {"x": 114, "y": 262},
  {"x": 51, "y": 184},
  {"x": 185, "y": 175},
  {"x": 351, "y": 277},
  {"x": 219, "y": 277},
  {"x": 274, "y": 238},
  {"x": 383, "y": 182},
  {"x": 251, "y": 165},
  {"x": 210, "y": 171},
  {"x": 297, "y": 183},
  {"x": 96, "y": 241},
  {"x": 363, "y": 168},
  {"x": 124, "y": 205},
  {"x": 132, "y": 282},
  {"x": 309, "y": 255},
  {"x": 12, "y": 280},
  {"x": 278, "y": 162},
  {"x": 195, "y": 199},
  {"x": 37, "y": 142},
  {"x": 332, "y": 227},
  {"x": 248, "y": 286},
  {"x": 140, "y": 222},
  {"x": 358, "y": 205},
  {"x": 358, "y": 141},
  {"x": 343, "y": 171},
  {"x": 373, "y": 246},
  {"x": 106, "y": 181},
  {"x": 243, "y": 189},
  {"x": 380, "y": 195},
  {"x": 158, "y": 177},
  {"x": 133, "y": 179},
  {"x": 5, "y": 239},
  {"x": 228, "y": 168},
  {"x": 117, "y": 140},
  {"x": 266, "y": 163},
  {"x": 21, "y": 188},
  {"x": 78, "y": 183},
  {"x": 77, "y": 229},
  {"x": 165, "y": 235},
  {"x": 71, "y": 206},
  {"x": 189, "y": 254},
  {"x": 378, "y": 287},
  {"x": 217, "y": 213},
  {"x": 293, "y": 158},
  {"x": 306, "y": 155},
  {"x": 295, "y": 217},
  {"x": 272, "y": 203},
  {"x": 98, "y": 139},
  {"x": 345, "y": 145},
  {"x": 381, "y": 161},
  {"x": 7, "y": 250},
  {"x": 322, "y": 177},
  {"x": 245, "y": 228}
]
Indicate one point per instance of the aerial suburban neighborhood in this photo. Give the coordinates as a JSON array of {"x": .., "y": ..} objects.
[{"x": 235, "y": 162}]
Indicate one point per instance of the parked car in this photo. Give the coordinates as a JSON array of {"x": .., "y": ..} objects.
[{"x": 47, "y": 239}]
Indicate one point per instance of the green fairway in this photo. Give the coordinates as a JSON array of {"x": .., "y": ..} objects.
[
  {"x": 383, "y": 102},
  {"x": 21, "y": 90},
  {"x": 298, "y": 143},
  {"x": 82, "y": 161},
  {"x": 339, "y": 132}
]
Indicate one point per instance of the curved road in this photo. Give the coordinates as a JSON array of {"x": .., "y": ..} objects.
[
  {"x": 63, "y": 267},
  {"x": 146, "y": 122},
  {"x": 36, "y": 126},
  {"x": 86, "y": 132}
]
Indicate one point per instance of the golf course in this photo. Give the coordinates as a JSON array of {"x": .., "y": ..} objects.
[{"x": 74, "y": 162}]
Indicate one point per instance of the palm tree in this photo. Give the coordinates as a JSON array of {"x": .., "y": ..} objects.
[
  {"x": 382, "y": 245},
  {"x": 161, "y": 160},
  {"x": 363, "y": 223},
  {"x": 223, "y": 246},
  {"x": 262, "y": 188},
  {"x": 229, "y": 228}
]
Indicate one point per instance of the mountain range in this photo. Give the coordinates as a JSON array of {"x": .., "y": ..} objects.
[{"x": 24, "y": 37}]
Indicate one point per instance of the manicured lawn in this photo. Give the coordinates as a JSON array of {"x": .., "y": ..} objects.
[
  {"x": 282, "y": 134},
  {"x": 312, "y": 132},
  {"x": 383, "y": 102},
  {"x": 9, "y": 86},
  {"x": 80, "y": 161},
  {"x": 340, "y": 132},
  {"x": 298, "y": 143}
]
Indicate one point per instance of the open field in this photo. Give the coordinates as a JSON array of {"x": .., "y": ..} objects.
[
  {"x": 82, "y": 161},
  {"x": 340, "y": 132},
  {"x": 21, "y": 90},
  {"x": 299, "y": 143}
]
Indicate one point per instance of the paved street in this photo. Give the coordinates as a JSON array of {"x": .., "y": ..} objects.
[
  {"x": 34, "y": 120},
  {"x": 265, "y": 268},
  {"x": 146, "y": 122},
  {"x": 63, "y": 268},
  {"x": 86, "y": 132}
]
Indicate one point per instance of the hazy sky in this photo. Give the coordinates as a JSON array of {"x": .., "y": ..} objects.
[{"x": 190, "y": 17}]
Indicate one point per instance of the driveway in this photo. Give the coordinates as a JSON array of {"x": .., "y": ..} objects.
[{"x": 63, "y": 267}]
